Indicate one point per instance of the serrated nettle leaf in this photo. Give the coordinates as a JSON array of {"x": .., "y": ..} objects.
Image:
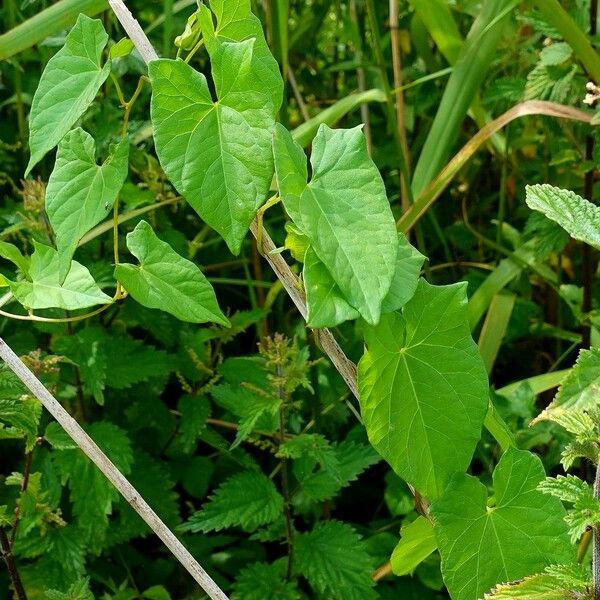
[
  {"x": 262, "y": 581},
  {"x": 248, "y": 499},
  {"x": 79, "y": 290},
  {"x": 81, "y": 193},
  {"x": 578, "y": 391},
  {"x": 344, "y": 202},
  {"x": 236, "y": 23},
  {"x": 577, "y": 216},
  {"x": 67, "y": 87},
  {"x": 326, "y": 305},
  {"x": 217, "y": 153},
  {"x": 520, "y": 534},
  {"x": 417, "y": 542},
  {"x": 167, "y": 281},
  {"x": 329, "y": 557},
  {"x": 409, "y": 262},
  {"x": 13, "y": 254},
  {"x": 424, "y": 388}
]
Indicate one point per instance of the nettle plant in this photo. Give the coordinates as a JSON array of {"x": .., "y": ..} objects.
[{"x": 424, "y": 392}]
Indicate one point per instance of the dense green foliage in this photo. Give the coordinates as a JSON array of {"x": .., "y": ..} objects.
[{"x": 134, "y": 291}]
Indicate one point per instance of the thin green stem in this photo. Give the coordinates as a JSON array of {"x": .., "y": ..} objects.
[{"x": 195, "y": 49}]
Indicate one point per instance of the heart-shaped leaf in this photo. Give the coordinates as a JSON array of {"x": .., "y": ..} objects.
[
  {"x": 79, "y": 290},
  {"x": 67, "y": 87},
  {"x": 424, "y": 388},
  {"x": 217, "y": 154},
  {"x": 81, "y": 193},
  {"x": 345, "y": 201},
  {"x": 484, "y": 543},
  {"x": 167, "y": 281}
]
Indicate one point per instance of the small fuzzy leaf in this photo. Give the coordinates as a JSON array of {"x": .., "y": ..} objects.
[
  {"x": 194, "y": 412},
  {"x": 249, "y": 500},
  {"x": 335, "y": 562},
  {"x": 79, "y": 290},
  {"x": 579, "y": 217},
  {"x": 67, "y": 87},
  {"x": 520, "y": 534},
  {"x": 424, "y": 386},
  {"x": 167, "y": 281},
  {"x": 81, "y": 193}
]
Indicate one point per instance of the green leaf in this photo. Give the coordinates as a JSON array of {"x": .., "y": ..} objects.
[
  {"x": 81, "y": 193},
  {"x": 194, "y": 412},
  {"x": 217, "y": 154},
  {"x": 78, "y": 591},
  {"x": 417, "y": 542},
  {"x": 262, "y": 581},
  {"x": 13, "y": 254},
  {"x": 579, "y": 217},
  {"x": 325, "y": 302},
  {"x": 423, "y": 386},
  {"x": 67, "y": 87},
  {"x": 86, "y": 349},
  {"x": 248, "y": 499},
  {"x": 23, "y": 414},
  {"x": 236, "y": 23},
  {"x": 555, "y": 53},
  {"x": 122, "y": 48},
  {"x": 409, "y": 262},
  {"x": 92, "y": 494},
  {"x": 167, "y": 281},
  {"x": 79, "y": 290},
  {"x": 558, "y": 582},
  {"x": 345, "y": 201},
  {"x": 335, "y": 562},
  {"x": 482, "y": 543},
  {"x": 578, "y": 391}
]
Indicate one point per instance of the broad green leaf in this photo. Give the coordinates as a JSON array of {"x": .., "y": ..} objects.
[
  {"x": 122, "y": 48},
  {"x": 79, "y": 290},
  {"x": 409, "y": 262},
  {"x": 423, "y": 387},
  {"x": 484, "y": 543},
  {"x": 236, "y": 23},
  {"x": 248, "y": 499},
  {"x": 325, "y": 302},
  {"x": 262, "y": 581},
  {"x": 81, "y": 193},
  {"x": 67, "y": 87},
  {"x": 13, "y": 254},
  {"x": 335, "y": 562},
  {"x": 167, "y": 281},
  {"x": 578, "y": 391},
  {"x": 217, "y": 154},
  {"x": 577, "y": 216},
  {"x": 417, "y": 542},
  {"x": 345, "y": 201}
]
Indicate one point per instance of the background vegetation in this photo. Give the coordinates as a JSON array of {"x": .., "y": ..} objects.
[{"x": 183, "y": 409}]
